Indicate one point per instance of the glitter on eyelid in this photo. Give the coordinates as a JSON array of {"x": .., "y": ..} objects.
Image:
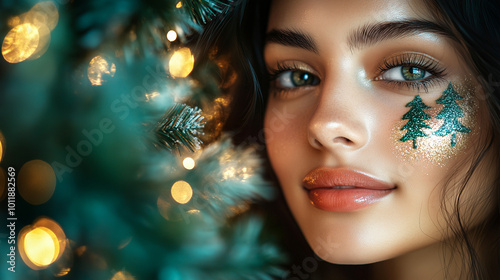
[{"x": 434, "y": 148}]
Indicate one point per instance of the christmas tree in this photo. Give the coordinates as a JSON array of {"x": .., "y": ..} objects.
[
  {"x": 450, "y": 114},
  {"x": 113, "y": 138},
  {"x": 415, "y": 124}
]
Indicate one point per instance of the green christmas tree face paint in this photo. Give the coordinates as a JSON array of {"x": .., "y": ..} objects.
[
  {"x": 450, "y": 114},
  {"x": 437, "y": 131},
  {"x": 415, "y": 124}
]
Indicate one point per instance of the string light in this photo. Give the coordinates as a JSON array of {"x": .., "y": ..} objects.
[
  {"x": 42, "y": 243},
  {"x": 36, "y": 182},
  {"x": 99, "y": 69},
  {"x": 181, "y": 63},
  {"x": 181, "y": 192},
  {"x": 188, "y": 163},
  {"x": 171, "y": 35}
]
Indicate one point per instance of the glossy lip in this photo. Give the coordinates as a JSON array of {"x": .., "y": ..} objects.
[{"x": 343, "y": 189}]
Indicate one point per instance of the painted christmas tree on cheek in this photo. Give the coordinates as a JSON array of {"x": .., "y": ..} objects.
[
  {"x": 437, "y": 132},
  {"x": 450, "y": 114},
  {"x": 415, "y": 124}
]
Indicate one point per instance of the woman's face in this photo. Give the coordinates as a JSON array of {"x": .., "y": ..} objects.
[{"x": 372, "y": 112}]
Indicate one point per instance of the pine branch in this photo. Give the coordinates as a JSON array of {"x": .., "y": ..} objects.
[
  {"x": 204, "y": 11},
  {"x": 181, "y": 125}
]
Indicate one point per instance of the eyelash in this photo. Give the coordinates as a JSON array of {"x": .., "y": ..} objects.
[
  {"x": 409, "y": 59},
  {"x": 414, "y": 60}
]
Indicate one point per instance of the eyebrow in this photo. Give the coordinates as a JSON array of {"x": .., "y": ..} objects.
[
  {"x": 291, "y": 38},
  {"x": 366, "y": 35},
  {"x": 371, "y": 34}
]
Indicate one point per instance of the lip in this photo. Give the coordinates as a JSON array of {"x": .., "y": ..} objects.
[{"x": 344, "y": 190}]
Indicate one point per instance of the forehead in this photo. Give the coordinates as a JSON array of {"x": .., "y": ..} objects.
[{"x": 333, "y": 16}]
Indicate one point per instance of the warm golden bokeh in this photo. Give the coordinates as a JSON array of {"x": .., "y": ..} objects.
[
  {"x": 181, "y": 192},
  {"x": 43, "y": 14},
  {"x": 178, "y": 5},
  {"x": 151, "y": 96},
  {"x": 99, "y": 70},
  {"x": 2, "y": 145},
  {"x": 29, "y": 37},
  {"x": 181, "y": 63},
  {"x": 20, "y": 43},
  {"x": 41, "y": 246},
  {"x": 123, "y": 275},
  {"x": 188, "y": 163},
  {"x": 36, "y": 182},
  {"x": 42, "y": 243},
  {"x": 43, "y": 42},
  {"x": 63, "y": 272}
]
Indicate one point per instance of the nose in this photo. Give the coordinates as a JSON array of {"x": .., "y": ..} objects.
[{"x": 339, "y": 124}]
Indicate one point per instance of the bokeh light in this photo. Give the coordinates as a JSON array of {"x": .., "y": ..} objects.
[
  {"x": 41, "y": 246},
  {"x": 229, "y": 173},
  {"x": 64, "y": 271},
  {"x": 43, "y": 42},
  {"x": 43, "y": 14},
  {"x": 36, "y": 182},
  {"x": 166, "y": 208},
  {"x": 13, "y": 21},
  {"x": 151, "y": 96},
  {"x": 188, "y": 163},
  {"x": 122, "y": 275},
  {"x": 20, "y": 43},
  {"x": 181, "y": 192},
  {"x": 2, "y": 145},
  {"x": 171, "y": 35},
  {"x": 42, "y": 243},
  {"x": 29, "y": 37},
  {"x": 181, "y": 63},
  {"x": 99, "y": 70},
  {"x": 178, "y": 5}
]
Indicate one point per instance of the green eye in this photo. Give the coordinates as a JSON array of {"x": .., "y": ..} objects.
[
  {"x": 300, "y": 78},
  {"x": 411, "y": 73},
  {"x": 296, "y": 78}
]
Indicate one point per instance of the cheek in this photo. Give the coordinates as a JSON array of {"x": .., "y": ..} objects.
[
  {"x": 282, "y": 134},
  {"x": 285, "y": 131},
  {"x": 439, "y": 131}
]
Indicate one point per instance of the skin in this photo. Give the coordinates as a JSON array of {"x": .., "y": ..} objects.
[{"x": 349, "y": 118}]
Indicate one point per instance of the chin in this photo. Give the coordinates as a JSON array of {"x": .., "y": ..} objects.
[
  {"x": 352, "y": 248},
  {"x": 350, "y": 258}
]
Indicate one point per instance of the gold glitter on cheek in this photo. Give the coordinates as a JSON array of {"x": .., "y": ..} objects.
[{"x": 434, "y": 148}]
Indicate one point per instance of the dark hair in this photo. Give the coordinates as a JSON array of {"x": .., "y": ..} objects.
[
  {"x": 477, "y": 24},
  {"x": 240, "y": 33}
]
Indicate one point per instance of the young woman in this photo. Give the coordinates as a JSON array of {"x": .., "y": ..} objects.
[{"x": 381, "y": 125}]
